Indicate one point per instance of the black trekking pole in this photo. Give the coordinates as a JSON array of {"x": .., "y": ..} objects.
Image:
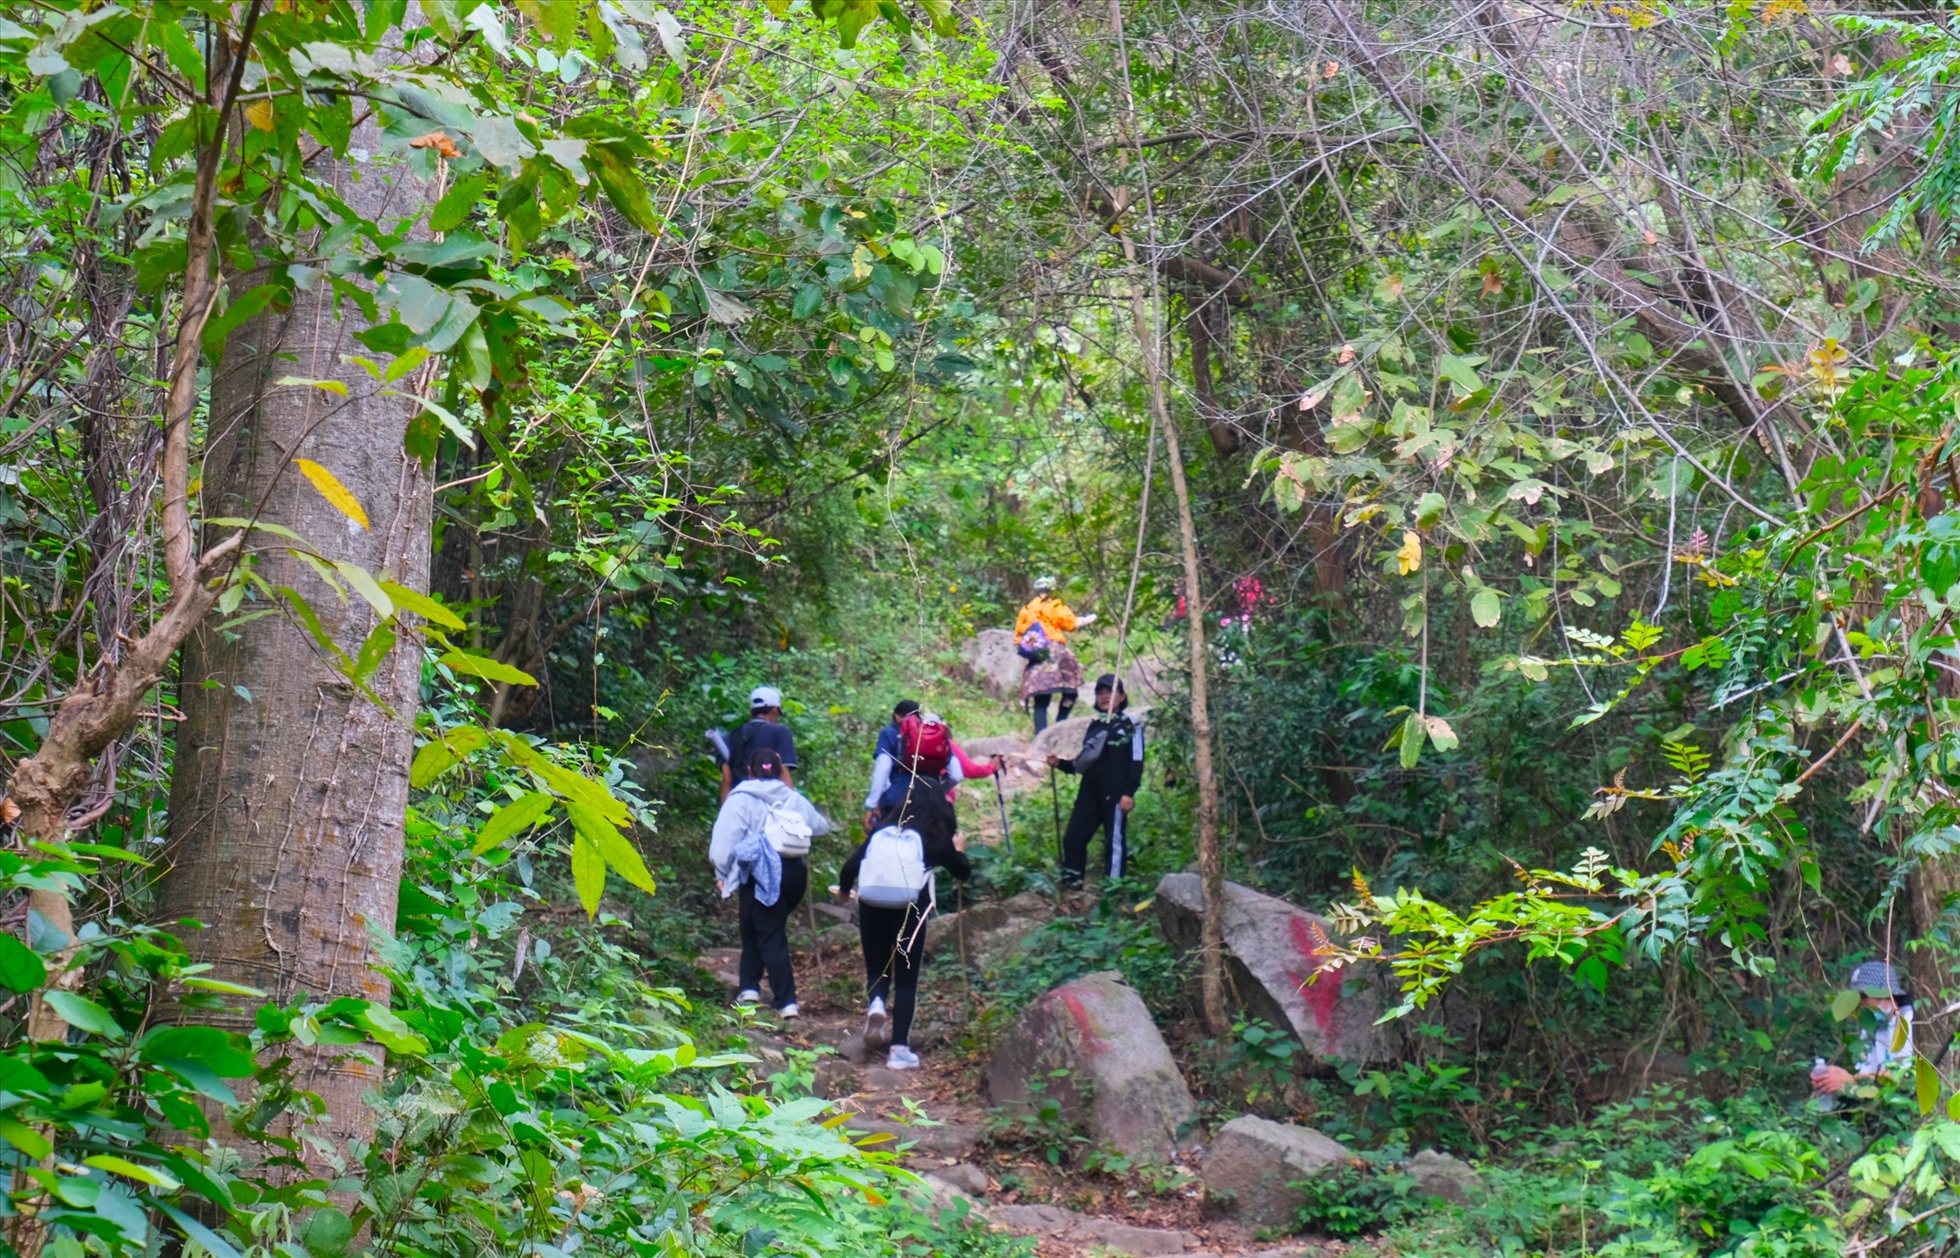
[
  {"x": 1000, "y": 797},
  {"x": 1055, "y": 796}
]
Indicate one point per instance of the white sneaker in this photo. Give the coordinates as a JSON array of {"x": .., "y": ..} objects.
[
  {"x": 749, "y": 997},
  {"x": 790, "y": 1010},
  {"x": 901, "y": 1058},
  {"x": 877, "y": 1025}
]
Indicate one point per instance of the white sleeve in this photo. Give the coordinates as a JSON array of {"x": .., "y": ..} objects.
[
  {"x": 881, "y": 778},
  {"x": 953, "y": 771}
]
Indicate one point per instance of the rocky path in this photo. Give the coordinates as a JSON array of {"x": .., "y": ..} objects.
[{"x": 945, "y": 1132}]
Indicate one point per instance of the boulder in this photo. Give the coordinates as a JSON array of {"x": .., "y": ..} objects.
[
  {"x": 836, "y": 1077},
  {"x": 1110, "y": 1236},
  {"x": 1064, "y": 738},
  {"x": 1025, "y": 767},
  {"x": 1442, "y": 1176},
  {"x": 952, "y": 1141},
  {"x": 966, "y": 1177},
  {"x": 1081, "y": 1231},
  {"x": 1116, "y": 1078},
  {"x": 1254, "y": 1163},
  {"x": 1270, "y": 951},
  {"x": 995, "y": 665}
]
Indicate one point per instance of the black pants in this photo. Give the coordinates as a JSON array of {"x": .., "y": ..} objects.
[
  {"x": 893, "y": 958},
  {"x": 1092, "y": 812},
  {"x": 765, "y": 933},
  {"x": 1061, "y": 709}
]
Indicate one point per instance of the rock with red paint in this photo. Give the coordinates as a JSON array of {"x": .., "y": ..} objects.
[
  {"x": 1255, "y": 1166},
  {"x": 1270, "y": 949},
  {"x": 1091, "y": 1047}
]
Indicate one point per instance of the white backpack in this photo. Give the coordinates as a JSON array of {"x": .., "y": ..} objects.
[
  {"x": 786, "y": 830},
  {"x": 893, "y": 871}
]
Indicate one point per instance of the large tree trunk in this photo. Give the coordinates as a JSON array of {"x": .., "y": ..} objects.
[{"x": 287, "y": 806}]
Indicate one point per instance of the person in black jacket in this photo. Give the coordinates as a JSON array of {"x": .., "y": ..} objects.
[
  {"x": 1111, "y": 767},
  {"x": 894, "y": 940}
]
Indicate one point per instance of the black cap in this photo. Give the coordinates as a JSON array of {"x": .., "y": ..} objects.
[
  {"x": 904, "y": 708},
  {"x": 1109, "y": 681}
]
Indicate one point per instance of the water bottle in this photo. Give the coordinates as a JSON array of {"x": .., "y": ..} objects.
[{"x": 1822, "y": 1103}]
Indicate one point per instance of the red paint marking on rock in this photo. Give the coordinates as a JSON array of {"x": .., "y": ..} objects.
[
  {"x": 1079, "y": 1012},
  {"x": 1321, "y": 997}
]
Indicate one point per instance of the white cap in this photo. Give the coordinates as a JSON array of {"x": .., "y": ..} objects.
[
  {"x": 930, "y": 718},
  {"x": 765, "y": 697},
  {"x": 1043, "y": 584}
]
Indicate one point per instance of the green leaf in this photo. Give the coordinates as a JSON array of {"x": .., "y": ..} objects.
[
  {"x": 121, "y": 1166},
  {"x": 457, "y": 427},
  {"x": 1844, "y": 1004},
  {"x": 84, "y": 1014},
  {"x": 624, "y": 188},
  {"x": 439, "y": 755},
  {"x": 422, "y": 605},
  {"x": 327, "y": 1234},
  {"x": 610, "y": 844},
  {"x": 25, "y": 1138},
  {"x": 1485, "y": 608},
  {"x": 1926, "y": 1083},
  {"x": 225, "y": 1054},
  {"x": 217, "y": 1245},
  {"x": 389, "y": 1030},
  {"x": 485, "y": 667},
  {"x": 1441, "y": 736},
  {"x": 588, "y": 873},
  {"x": 511, "y": 820},
  {"x": 454, "y": 209},
  {"x": 668, "y": 27},
  {"x": 219, "y": 326},
  {"x": 1461, "y": 371},
  {"x": 1412, "y": 736},
  {"x": 21, "y": 969},
  {"x": 499, "y": 140},
  {"x": 366, "y": 586}
]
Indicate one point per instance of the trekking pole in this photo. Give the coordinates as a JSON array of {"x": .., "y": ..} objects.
[
  {"x": 966, "y": 974},
  {"x": 1006, "y": 835},
  {"x": 1055, "y": 797}
]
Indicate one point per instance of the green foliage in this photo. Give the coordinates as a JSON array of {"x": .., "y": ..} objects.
[
  {"x": 1357, "y": 1196},
  {"x": 1114, "y": 937}
]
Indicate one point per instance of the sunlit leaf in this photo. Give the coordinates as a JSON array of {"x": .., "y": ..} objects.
[{"x": 333, "y": 491}]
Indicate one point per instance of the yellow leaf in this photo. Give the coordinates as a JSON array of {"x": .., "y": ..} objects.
[
  {"x": 860, "y": 262},
  {"x": 1409, "y": 558},
  {"x": 333, "y": 491},
  {"x": 259, "y": 114}
]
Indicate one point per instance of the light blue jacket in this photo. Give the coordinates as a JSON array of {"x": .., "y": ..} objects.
[{"x": 743, "y": 812}]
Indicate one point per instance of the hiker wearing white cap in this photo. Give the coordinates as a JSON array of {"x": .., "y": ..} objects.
[
  {"x": 1888, "y": 1047},
  {"x": 1041, "y": 639},
  {"x": 764, "y": 730}
]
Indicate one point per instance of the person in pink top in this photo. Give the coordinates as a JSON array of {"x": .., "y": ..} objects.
[{"x": 971, "y": 768}]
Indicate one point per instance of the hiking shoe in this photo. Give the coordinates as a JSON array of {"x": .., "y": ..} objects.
[
  {"x": 901, "y": 1058},
  {"x": 790, "y": 1010},
  {"x": 748, "y": 997},
  {"x": 877, "y": 1025}
]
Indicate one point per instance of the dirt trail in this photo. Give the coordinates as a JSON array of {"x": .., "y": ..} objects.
[{"x": 957, "y": 1143}]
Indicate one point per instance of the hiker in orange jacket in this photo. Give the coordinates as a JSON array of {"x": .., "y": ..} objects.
[{"x": 1052, "y": 669}]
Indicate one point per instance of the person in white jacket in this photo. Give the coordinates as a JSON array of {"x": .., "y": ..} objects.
[{"x": 769, "y": 883}]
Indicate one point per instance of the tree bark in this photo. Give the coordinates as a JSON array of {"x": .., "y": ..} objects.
[
  {"x": 287, "y": 806},
  {"x": 1211, "y": 868}
]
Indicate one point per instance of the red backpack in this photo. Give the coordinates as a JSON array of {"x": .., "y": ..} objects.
[{"x": 924, "y": 748}]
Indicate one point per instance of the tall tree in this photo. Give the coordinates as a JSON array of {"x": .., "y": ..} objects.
[{"x": 287, "y": 806}]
